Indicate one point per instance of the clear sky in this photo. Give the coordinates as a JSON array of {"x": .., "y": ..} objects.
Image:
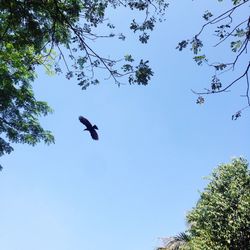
[{"x": 137, "y": 182}]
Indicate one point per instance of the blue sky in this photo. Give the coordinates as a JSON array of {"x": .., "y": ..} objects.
[{"x": 137, "y": 182}]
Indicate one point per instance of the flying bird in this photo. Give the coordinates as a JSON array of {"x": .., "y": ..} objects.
[{"x": 89, "y": 127}]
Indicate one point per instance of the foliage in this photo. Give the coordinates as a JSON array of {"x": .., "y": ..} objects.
[
  {"x": 57, "y": 35},
  {"x": 177, "y": 242},
  {"x": 68, "y": 27},
  {"x": 231, "y": 30},
  {"x": 19, "y": 110},
  {"x": 221, "y": 218}
]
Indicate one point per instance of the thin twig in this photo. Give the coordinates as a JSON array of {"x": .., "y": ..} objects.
[
  {"x": 220, "y": 17},
  {"x": 229, "y": 34},
  {"x": 226, "y": 88},
  {"x": 63, "y": 58},
  {"x": 247, "y": 92}
]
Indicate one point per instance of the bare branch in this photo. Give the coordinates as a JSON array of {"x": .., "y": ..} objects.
[
  {"x": 247, "y": 92},
  {"x": 64, "y": 60}
]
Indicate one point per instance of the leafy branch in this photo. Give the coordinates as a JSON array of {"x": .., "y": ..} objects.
[
  {"x": 91, "y": 60},
  {"x": 239, "y": 36},
  {"x": 57, "y": 34}
]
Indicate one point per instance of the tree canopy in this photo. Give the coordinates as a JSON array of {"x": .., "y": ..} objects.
[
  {"x": 57, "y": 35},
  {"x": 231, "y": 28},
  {"x": 221, "y": 218}
]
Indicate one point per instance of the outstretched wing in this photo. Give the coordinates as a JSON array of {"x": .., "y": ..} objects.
[
  {"x": 94, "y": 134},
  {"x": 89, "y": 127},
  {"x": 85, "y": 122}
]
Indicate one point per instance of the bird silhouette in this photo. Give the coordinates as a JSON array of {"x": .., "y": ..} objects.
[{"x": 89, "y": 127}]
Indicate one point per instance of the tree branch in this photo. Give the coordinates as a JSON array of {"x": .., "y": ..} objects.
[
  {"x": 221, "y": 17},
  {"x": 227, "y": 87}
]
